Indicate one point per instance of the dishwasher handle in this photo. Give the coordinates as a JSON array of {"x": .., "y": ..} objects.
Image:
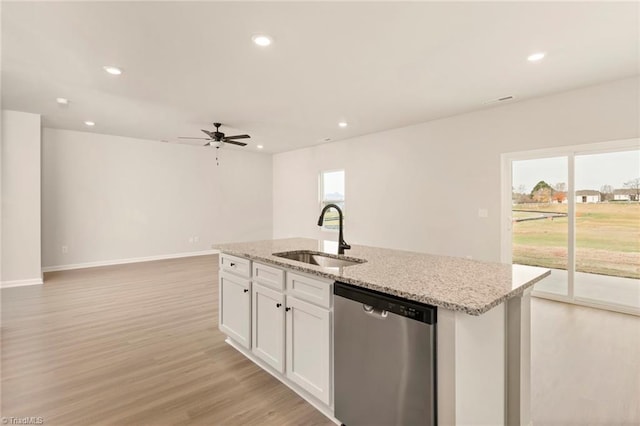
[{"x": 374, "y": 312}]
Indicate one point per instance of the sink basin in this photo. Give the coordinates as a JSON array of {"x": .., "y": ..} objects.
[{"x": 320, "y": 259}]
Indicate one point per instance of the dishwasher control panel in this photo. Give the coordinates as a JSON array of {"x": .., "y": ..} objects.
[{"x": 386, "y": 302}]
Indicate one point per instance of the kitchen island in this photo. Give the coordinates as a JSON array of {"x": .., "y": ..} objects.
[{"x": 482, "y": 327}]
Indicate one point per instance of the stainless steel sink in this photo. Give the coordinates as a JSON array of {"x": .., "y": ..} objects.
[{"x": 320, "y": 259}]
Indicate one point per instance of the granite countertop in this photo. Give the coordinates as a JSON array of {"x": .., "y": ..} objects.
[{"x": 457, "y": 284}]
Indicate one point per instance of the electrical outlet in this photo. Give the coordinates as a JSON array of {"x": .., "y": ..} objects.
[
  {"x": 65, "y": 249},
  {"x": 190, "y": 240},
  {"x": 196, "y": 239},
  {"x": 483, "y": 213}
]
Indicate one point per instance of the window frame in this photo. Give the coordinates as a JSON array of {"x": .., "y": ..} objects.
[{"x": 506, "y": 229}]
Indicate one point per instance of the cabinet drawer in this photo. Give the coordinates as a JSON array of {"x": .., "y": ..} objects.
[
  {"x": 268, "y": 276},
  {"x": 312, "y": 290},
  {"x": 235, "y": 265}
]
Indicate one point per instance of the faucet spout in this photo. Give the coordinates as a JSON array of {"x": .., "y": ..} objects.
[{"x": 342, "y": 244}]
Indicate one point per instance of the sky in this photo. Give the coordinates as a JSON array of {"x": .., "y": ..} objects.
[
  {"x": 592, "y": 171},
  {"x": 333, "y": 183}
]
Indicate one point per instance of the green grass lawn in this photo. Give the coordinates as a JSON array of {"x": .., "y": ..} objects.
[{"x": 607, "y": 238}]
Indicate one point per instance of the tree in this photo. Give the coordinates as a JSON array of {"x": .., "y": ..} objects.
[
  {"x": 542, "y": 192},
  {"x": 540, "y": 185},
  {"x": 606, "y": 193},
  {"x": 559, "y": 193},
  {"x": 559, "y": 196},
  {"x": 560, "y": 186},
  {"x": 634, "y": 185},
  {"x": 520, "y": 195}
]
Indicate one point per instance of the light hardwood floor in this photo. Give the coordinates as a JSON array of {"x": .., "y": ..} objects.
[
  {"x": 133, "y": 344},
  {"x": 139, "y": 344}
]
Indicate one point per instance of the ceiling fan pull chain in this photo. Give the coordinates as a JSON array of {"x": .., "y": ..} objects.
[{"x": 217, "y": 150}]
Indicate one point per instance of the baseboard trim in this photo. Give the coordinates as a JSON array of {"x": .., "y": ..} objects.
[
  {"x": 130, "y": 260},
  {"x": 21, "y": 283}
]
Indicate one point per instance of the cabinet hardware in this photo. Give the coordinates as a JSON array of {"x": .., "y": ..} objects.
[
  {"x": 287, "y": 309},
  {"x": 278, "y": 305},
  {"x": 246, "y": 290},
  {"x": 232, "y": 264}
]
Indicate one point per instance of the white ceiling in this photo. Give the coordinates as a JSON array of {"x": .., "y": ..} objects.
[{"x": 376, "y": 65}]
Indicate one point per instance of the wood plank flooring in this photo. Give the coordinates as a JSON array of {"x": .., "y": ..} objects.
[
  {"x": 133, "y": 344},
  {"x": 139, "y": 344}
]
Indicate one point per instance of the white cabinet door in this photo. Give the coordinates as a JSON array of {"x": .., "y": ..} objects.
[
  {"x": 268, "y": 326},
  {"x": 309, "y": 348},
  {"x": 234, "y": 316}
]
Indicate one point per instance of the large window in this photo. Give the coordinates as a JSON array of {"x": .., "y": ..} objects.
[
  {"x": 539, "y": 216},
  {"x": 575, "y": 210},
  {"x": 332, "y": 192}
]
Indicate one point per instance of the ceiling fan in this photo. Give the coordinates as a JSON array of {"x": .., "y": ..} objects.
[{"x": 218, "y": 138}]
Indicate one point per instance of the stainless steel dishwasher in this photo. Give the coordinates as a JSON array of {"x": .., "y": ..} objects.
[{"x": 384, "y": 359}]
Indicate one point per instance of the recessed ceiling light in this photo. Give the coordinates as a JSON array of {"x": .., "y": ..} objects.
[
  {"x": 89, "y": 123},
  {"x": 343, "y": 124},
  {"x": 259, "y": 146},
  {"x": 62, "y": 101},
  {"x": 262, "y": 40},
  {"x": 534, "y": 57},
  {"x": 112, "y": 70}
]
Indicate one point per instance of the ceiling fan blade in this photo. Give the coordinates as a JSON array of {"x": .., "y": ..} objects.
[
  {"x": 184, "y": 137},
  {"x": 208, "y": 133},
  {"x": 235, "y": 143},
  {"x": 238, "y": 137},
  {"x": 207, "y": 144}
]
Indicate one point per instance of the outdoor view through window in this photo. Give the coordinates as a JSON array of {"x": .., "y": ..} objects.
[
  {"x": 332, "y": 192},
  {"x": 607, "y": 224}
]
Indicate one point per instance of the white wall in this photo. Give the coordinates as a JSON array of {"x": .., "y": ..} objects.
[
  {"x": 111, "y": 198},
  {"x": 20, "y": 198},
  {"x": 420, "y": 187}
]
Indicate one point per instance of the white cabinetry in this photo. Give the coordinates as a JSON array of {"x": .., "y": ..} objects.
[
  {"x": 268, "y": 326},
  {"x": 234, "y": 316},
  {"x": 310, "y": 289},
  {"x": 234, "y": 293},
  {"x": 235, "y": 265},
  {"x": 309, "y": 347},
  {"x": 268, "y": 276},
  {"x": 285, "y": 322}
]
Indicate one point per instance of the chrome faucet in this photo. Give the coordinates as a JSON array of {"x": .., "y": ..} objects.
[{"x": 342, "y": 245}]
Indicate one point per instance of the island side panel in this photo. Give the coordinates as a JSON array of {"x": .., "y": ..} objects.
[
  {"x": 446, "y": 367},
  {"x": 480, "y": 368},
  {"x": 518, "y": 351}
]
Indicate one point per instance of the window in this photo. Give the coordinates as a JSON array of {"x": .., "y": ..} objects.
[
  {"x": 571, "y": 209},
  {"x": 332, "y": 192}
]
